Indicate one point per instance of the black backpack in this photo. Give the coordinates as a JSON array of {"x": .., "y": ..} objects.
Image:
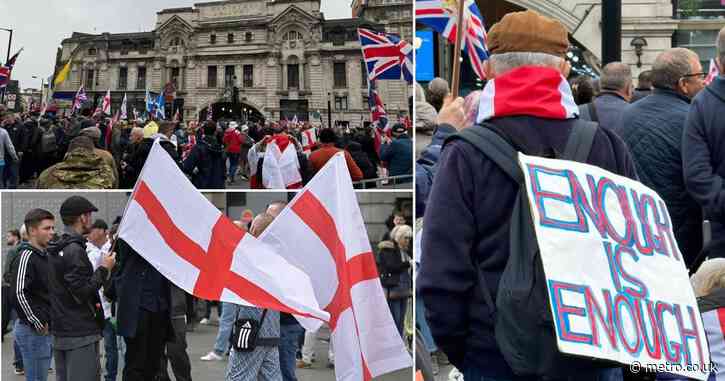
[
  {"x": 48, "y": 142},
  {"x": 523, "y": 326}
]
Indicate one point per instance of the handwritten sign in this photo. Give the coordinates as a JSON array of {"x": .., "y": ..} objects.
[{"x": 617, "y": 283}]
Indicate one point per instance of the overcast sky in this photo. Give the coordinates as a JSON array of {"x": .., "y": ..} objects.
[{"x": 40, "y": 25}]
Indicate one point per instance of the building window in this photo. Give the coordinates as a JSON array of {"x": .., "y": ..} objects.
[
  {"x": 292, "y": 36},
  {"x": 248, "y": 36},
  {"x": 175, "y": 72},
  {"x": 122, "y": 78},
  {"x": 211, "y": 76},
  {"x": 175, "y": 42},
  {"x": 92, "y": 51},
  {"x": 340, "y": 103},
  {"x": 293, "y": 76},
  {"x": 212, "y": 39},
  {"x": 89, "y": 78},
  {"x": 141, "y": 78},
  {"x": 248, "y": 75},
  {"x": 230, "y": 38},
  {"x": 339, "y": 75},
  {"x": 363, "y": 74},
  {"x": 229, "y": 76},
  {"x": 701, "y": 42}
]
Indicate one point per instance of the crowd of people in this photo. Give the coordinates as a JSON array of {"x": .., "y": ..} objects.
[
  {"x": 666, "y": 133},
  {"x": 92, "y": 151},
  {"x": 66, "y": 292}
]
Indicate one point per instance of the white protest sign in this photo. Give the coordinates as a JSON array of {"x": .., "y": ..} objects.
[{"x": 617, "y": 283}]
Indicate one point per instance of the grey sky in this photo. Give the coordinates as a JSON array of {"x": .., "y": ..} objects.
[{"x": 40, "y": 25}]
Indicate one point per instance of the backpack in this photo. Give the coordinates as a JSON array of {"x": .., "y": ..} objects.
[
  {"x": 48, "y": 141},
  {"x": 521, "y": 313}
]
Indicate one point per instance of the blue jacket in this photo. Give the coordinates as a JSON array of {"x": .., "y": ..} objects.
[
  {"x": 652, "y": 129},
  {"x": 425, "y": 167},
  {"x": 467, "y": 222},
  {"x": 399, "y": 156},
  {"x": 609, "y": 108},
  {"x": 703, "y": 155}
]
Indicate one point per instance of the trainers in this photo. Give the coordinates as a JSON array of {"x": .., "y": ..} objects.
[
  {"x": 19, "y": 371},
  {"x": 205, "y": 321},
  {"x": 302, "y": 364},
  {"x": 211, "y": 356}
]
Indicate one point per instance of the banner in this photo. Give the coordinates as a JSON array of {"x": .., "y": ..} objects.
[{"x": 617, "y": 283}]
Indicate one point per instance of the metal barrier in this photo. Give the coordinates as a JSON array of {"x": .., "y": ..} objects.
[{"x": 381, "y": 182}]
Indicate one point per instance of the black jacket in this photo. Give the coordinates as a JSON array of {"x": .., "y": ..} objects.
[
  {"x": 29, "y": 284},
  {"x": 703, "y": 155},
  {"x": 467, "y": 221},
  {"x": 140, "y": 153},
  {"x": 362, "y": 160},
  {"x": 206, "y": 164},
  {"x": 653, "y": 129},
  {"x": 74, "y": 287}
]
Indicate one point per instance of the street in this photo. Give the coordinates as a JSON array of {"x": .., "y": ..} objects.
[{"x": 200, "y": 341}]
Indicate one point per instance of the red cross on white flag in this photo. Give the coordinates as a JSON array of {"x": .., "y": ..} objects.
[{"x": 314, "y": 260}]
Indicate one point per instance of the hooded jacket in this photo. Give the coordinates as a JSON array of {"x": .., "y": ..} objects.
[
  {"x": 81, "y": 169},
  {"x": 29, "y": 284},
  {"x": 74, "y": 287},
  {"x": 703, "y": 155},
  {"x": 206, "y": 164}
]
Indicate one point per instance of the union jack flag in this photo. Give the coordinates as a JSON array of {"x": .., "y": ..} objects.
[
  {"x": 387, "y": 56},
  {"x": 79, "y": 99},
  {"x": 378, "y": 115},
  {"x": 442, "y": 16},
  {"x": 7, "y": 69}
]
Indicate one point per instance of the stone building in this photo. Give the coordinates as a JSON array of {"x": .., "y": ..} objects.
[
  {"x": 660, "y": 24},
  {"x": 396, "y": 15},
  {"x": 270, "y": 59}
]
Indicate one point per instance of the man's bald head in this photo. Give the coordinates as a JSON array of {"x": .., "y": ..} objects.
[
  {"x": 617, "y": 77},
  {"x": 260, "y": 223},
  {"x": 136, "y": 134},
  {"x": 275, "y": 208}
]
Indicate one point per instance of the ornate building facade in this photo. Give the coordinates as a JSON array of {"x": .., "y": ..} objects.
[{"x": 271, "y": 59}]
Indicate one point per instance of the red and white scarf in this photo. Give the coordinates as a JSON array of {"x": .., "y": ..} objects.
[{"x": 528, "y": 90}]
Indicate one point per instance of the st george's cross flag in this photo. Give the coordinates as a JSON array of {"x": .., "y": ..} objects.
[
  {"x": 106, "y": 107},
  {"x": 309, "y": 140},
  {"x": 322, "y": 232},
  {"x": 188, "y": 240},
  {"x": 281, "y": 166},
  {"x": 713, "y": 72}
]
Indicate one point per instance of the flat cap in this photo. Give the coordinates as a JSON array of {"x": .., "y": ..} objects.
[
  {"x": 75, "y": 206},
  {"x": 528, "y": 31},
  {"x": 99, "y": 224}
]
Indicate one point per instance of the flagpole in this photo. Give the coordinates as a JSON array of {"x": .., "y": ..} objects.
[{"x": 456, "y": 76}]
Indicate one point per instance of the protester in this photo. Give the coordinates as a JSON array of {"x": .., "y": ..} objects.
[
  {"x": 703, "y": 155},
  {"x": 227, "y": 312},
  {"x": 140, "y": 153},
  {"x": 398, "y": 153},
  {"x": 468, "y": 212},
  {"x": 261, "y": 362},
  {"x": 81, "y": 168},
  {"x": 644, "y": 86},
  {"x": 95, "y": 134},
  {"x": 206, "y": 162},
  {"x": 9, "y": 313},
  {"x": 361, "y": 159},
  {"x": 653, "y": 130},
  {"x": 97, "y": 246},
  {"x": 327, "y": 149},
  {"x": 582, "y": 87},
  {"x": 7, "y": 154},
  {"x": 438, "y": 90},
  {"x": 233, "y": 141},
  {"x": 77, "y": 319},
  {"x": 607, "y": 108},
  {"x": 395, "y": 270}
]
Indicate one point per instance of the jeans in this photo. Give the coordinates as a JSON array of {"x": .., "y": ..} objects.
[
  {"x": 2, "y": 176},
  {"x": 425, "y": 333},
  {"x": 614, "y": 374},
  {"x": 233, "y": 164},
  {"x": 289, "y": 335},
  {"x": 397, "y": 309},
  {"x": 111, "y": 347},
  {"x": 226, "y": 323},
  {"x": 36, "y": 351},
  {"x": 10, "y": 172},
  {"x": 18, "y": 356}
]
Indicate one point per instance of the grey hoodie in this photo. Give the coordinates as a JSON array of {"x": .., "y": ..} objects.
[{"x": 6, "y": 146}]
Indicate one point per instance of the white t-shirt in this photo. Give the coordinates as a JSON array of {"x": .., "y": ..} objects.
[{"x": 95, "y": 254}]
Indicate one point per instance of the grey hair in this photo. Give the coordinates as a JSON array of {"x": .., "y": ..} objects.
[
  {"x": 502, "y": 63},
  {"x": 616, "y": 76},
  {"x": 721, "y": 47},
  {"x": 137, "y": 130},
  {"x": 670, "y": 66},
  {"x": 709, "y": 277}
]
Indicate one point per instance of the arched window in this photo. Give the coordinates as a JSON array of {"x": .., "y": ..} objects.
[
  {"x": 92, "y": 51},
  {"x": 292, "y": 36},
  {"x": 175, "y": 41}
]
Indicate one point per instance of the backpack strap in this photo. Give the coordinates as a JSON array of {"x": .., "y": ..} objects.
[
  {"x": 494, "y": 147},
  {"x": 581, "y": 139}
]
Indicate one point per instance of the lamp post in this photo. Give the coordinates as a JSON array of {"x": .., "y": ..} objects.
[
  {"x": 10, "y": 44},
  {"x": 42, "y": 86}
]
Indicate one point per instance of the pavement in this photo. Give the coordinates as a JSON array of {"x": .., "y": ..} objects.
[{"x": 200, "y": 342}]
